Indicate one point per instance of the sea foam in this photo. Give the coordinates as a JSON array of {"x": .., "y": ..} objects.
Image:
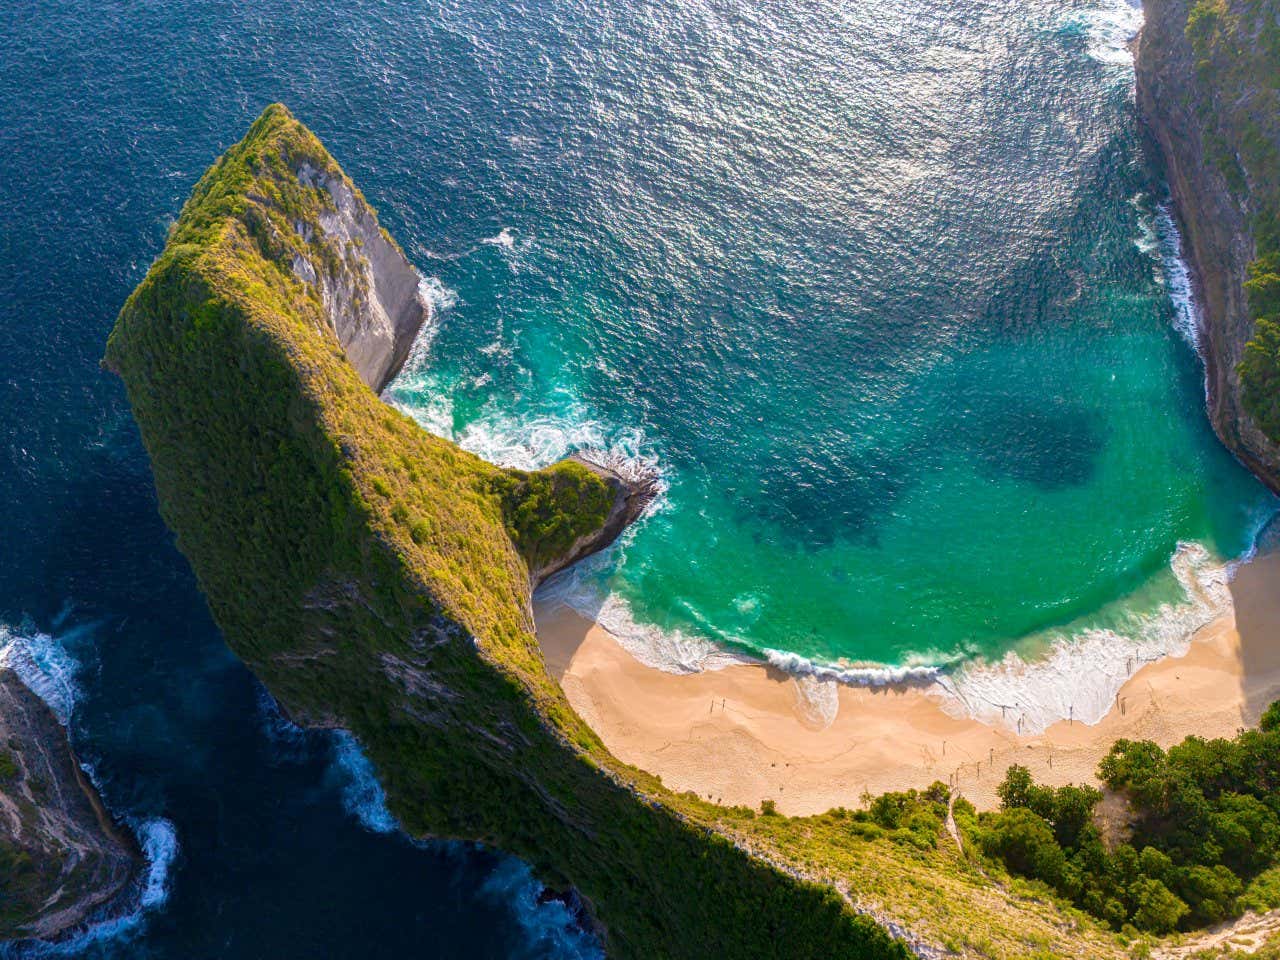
[
  {"x": 506, "y": 239},
  {"x": 1109, "y": 31},
  {"x": 1177, "y": 278},
  {"x": 362, "y": 795},
  {"x": 672, "y": 651},
  {"x": 549, "y": 925},
  {"x": 1076, "y": 676},
  {"x": 1080, "y": 675},
  {"x": 47, "y": 667},
  {"x": 439, "y": 299}
]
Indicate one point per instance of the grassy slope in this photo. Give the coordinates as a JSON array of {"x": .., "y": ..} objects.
[
  {"x": 1237, "y": 51},
  {"x": 375, "y": 577}
]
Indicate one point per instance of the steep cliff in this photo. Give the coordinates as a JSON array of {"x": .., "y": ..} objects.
[
  {"x": 378, "y": 578},
  {"x": 1207, "y": 76},
  {"x": 62, "y": 861},
  {"x": 370, "y": 293}
]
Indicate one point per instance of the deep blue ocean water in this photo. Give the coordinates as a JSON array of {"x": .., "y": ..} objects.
[{"x": 873, "y": 284}]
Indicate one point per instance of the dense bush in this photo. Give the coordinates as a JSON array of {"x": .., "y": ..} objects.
[
  {"x": 1205, "y": 821},
  {"x": 915, "y": 817}
]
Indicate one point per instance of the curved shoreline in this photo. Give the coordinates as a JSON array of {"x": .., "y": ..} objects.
[{"x": 750, "y": 732}]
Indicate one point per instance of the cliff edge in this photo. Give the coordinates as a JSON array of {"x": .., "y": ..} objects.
[{"x": 1206, "y": 85}]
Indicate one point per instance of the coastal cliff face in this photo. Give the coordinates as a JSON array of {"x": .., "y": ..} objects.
[
  {"x": 1205, "y": 83},
  {"x": 370, "y": 293},
  {"x": 62, "y": 861},
  {"x": 378, "y": 578}
]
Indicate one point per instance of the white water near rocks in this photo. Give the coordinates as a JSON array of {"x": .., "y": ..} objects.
[{"x": 48, "y": 668}]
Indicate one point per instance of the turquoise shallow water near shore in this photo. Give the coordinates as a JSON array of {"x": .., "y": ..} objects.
[{"x": 899, "y": 337}]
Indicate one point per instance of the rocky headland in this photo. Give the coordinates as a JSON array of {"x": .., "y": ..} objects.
[
  {"x": 63, "y": 862},
  {"x": 1206, "y": 93}
]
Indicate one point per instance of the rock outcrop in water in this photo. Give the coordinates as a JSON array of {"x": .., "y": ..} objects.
[
  {"x": 1206, "y": 76},
  {"x": 63, "y": 862},
  {"x": 378, "y": 578},
  {"x": 632, "y": 495}
]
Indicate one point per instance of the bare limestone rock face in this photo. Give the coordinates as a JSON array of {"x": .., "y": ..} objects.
[{"x": 371, "y": 293}]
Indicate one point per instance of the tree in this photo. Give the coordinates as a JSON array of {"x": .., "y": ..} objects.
[
  {"x": 1025, "y": 842},
  {"x": 1158, "y": 910}
]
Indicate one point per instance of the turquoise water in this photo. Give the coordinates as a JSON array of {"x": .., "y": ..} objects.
[{"x": 897, "y": 336}]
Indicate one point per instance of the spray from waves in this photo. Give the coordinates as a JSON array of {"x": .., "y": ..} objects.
[
  {"x": 45, "y": 666},
  {"x": 1109, "y": 31},
  {"x": 362, "y": 794},
  {"x": 552, "y": 928},
  {"x": 1177, "y": 277},
  {"x": 1082, "y": 674}
]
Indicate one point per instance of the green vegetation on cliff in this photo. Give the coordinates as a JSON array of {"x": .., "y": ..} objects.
[
  {"x": 1202, "y": 842},
  {"x": 377, "y": 578},
  {"x": 1237, "y": 51},
  {"x": 367, "y": 572}
]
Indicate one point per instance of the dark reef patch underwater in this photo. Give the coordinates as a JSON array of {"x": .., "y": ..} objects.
[{"x": 843, "y": 272}]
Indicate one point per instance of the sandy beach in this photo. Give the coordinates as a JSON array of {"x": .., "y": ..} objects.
[{"x": 748, "y": 733}]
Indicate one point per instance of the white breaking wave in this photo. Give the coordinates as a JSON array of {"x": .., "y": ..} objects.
[
  {"x": 1081, "y": 675},
  {"x": 362, "y": 794},
  {"x": 1177, "y": 278},
  {"x": 672, "y": 651},
  {"x": 159, "y": 839},
  {"x": 534, "y": 442},
  {"x": 43, "y": 664},
  {"x": 1078, "y": 677},
  {"x": 1109, "y": 31},
  {"x": 680, "y": 652},
  {"x": 436, "y": 294},
  {"x": 438, "y": 298},
  {"x": 915, "y": 670},
  {"x": 505, "y": 239},
  {"x": 530, "y": 443},
  {"x": 47, "y": 668},
  {"x": 548, "y": 923}
]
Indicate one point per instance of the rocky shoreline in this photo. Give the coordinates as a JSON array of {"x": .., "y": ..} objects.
[
  {"x": 64, "y": 863},
  {"x": 1219, "y": 243}
]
